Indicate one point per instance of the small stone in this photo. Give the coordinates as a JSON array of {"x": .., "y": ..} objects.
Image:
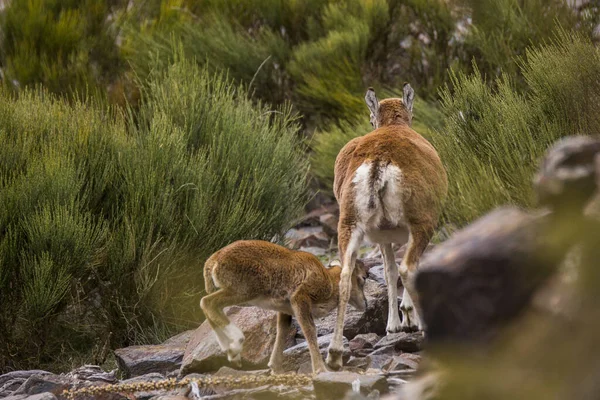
[
  {"x": 329, "y": 222},
  {"x": 404, "y": 361},
  {"x": 359, "y": 363},
  {"x": 364, "y": 341},
  {"x": 380, "y": 361},
  {"x": 333, "y": 385},
  {"x": 402, "y": 341}
]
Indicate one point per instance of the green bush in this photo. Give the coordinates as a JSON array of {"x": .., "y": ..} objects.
[
  {"x": 67, "y": 46},
  {"x": 493, "y": 138},
  {"x": 107, "y": 217},
  {"x": 319, "y": 54},
  {"x": 502, "y": 31}
]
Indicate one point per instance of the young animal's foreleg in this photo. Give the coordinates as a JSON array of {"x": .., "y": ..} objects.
[
  {"x": 301, "y": 305},
  {"x": 349, "y": 239},
  {"x": 284, "y": 322},
  {"x": 391, "y": 271}
]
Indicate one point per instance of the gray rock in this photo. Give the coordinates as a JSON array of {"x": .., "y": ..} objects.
[
  {"x": 381, "y": 361},
  {"x": 329, "y": 222},
  {"x": 151, "y": 377},
  {"x": 11, "y": 381},
  {"x": 333, "y": 385},
  {"x": 39, "y": 396},
  {"x": 57, "y": 384},
  {"x": 387, "y": 351},
  {"x": 295, "y": 356},
  {"x": 358, "y": 363},
  {"x": 203, "y": 353},
  {"x": 403, "y": 362},
  {"x": 93, "y": 373},
  {"x": 264, "y": 393},
  {"x": 402, "y": 341},
  {"x": 180, "y": 340},
  {"x": 141, "y": 360},
  {"x": 15, "y": 397},
  {"x": 363, "y": 343}
]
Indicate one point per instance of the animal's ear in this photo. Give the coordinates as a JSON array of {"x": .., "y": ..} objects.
[
  {"x": 408, "y": 96},
  {"x": 334, "y": 263},
  {"x": 372, "y": 102}
]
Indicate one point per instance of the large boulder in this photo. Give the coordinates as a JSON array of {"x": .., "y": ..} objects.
[
  {"x": 141, "y": 360},
  {"x": 475, "y": 283},
  {"x": 203, "y": 353}
]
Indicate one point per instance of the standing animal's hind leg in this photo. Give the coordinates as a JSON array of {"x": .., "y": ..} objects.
[
  {"x": 229, "y": 336},
  {"x": 391, "y": 273},
  {"x": 349, "y": 238},
  {"x": 419, "y": 239}
]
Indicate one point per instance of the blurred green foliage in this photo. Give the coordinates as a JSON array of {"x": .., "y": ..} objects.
[
  {"x": 494, "y": 136},
  {"x": 68, "y": 46},
  {"x": 106, "y": 221}
]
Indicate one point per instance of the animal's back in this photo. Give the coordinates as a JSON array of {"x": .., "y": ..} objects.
[
  {"x": 261, "y": 268},
  {"x": 393, "y": 175}
]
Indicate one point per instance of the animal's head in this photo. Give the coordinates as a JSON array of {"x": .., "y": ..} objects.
[
  {"x": 567, "y": 177},
  {"x": 391, "y": 111},
  {"x": 358, "y": 299}
]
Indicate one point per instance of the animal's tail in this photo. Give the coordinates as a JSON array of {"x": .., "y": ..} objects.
[
  {"x": 376, "y": 183},
  {"x": 209, "y": 283}
]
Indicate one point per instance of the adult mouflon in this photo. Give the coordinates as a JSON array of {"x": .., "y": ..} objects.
[
  {"x": 266, "y": 275},
  {"x": 390, "y": 185}
]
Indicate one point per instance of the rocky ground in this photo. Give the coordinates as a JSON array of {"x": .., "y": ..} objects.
[{"x": 375, "y": 364}]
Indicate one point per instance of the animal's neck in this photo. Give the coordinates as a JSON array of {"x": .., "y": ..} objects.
[{"x": 395, "y": 121}]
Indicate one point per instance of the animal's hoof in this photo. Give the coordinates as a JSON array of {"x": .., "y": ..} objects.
[
  {"x": 334, "y": 359},
  {"x": 320, "y": 369},
  {"x": 235, "y": 359},
  {"x": 410, "y": 328},
  {"x": 393, "y": 329}
]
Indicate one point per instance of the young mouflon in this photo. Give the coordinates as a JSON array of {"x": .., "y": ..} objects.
[
  {"x": 269, "y": 276},
  {"x": 390, "y": 185}
]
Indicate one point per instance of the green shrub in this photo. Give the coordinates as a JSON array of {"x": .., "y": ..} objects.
[
  {"x": 67, "y": 46},
  {"x": 493, "y": 138},
  {"x": 502, "y": 31},
  {"x": 319, "y": 54},
  {"x": 107, "y": 218}
]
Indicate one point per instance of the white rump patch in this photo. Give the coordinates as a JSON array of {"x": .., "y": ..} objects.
[{"x": 380, "y": 206}]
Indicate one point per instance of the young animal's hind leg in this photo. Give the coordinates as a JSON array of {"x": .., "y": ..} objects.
[{"x": 229, "y": 336}]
